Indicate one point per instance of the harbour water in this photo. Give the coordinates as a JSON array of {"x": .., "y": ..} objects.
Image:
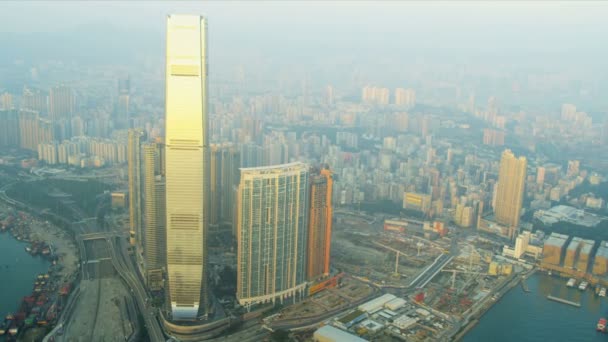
[
  {"x": 18, "y": 271},
  {"x": 530, "y": 316}
]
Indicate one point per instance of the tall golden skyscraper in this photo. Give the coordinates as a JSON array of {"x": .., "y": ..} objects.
[
  {"x": 187, "y": 167},
  {"x": 510, "y": 190},
  {"x": 271, "y": 233},
  {"x": 319, "y": 224},
  {"x": 154, "y": 215}
]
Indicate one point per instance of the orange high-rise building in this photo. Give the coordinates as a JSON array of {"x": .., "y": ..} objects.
[{"x": 319, "y": 224}]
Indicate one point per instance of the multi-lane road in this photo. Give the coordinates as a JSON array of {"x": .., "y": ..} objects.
[{"x": 125, "y": 269}]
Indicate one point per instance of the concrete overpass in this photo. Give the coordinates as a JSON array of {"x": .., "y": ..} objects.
[{"x": 431, "y": 271}]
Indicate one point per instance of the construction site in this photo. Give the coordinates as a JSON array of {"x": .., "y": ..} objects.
[
  {"x": 346, "y": 293},
  {"x": 469, "y": 278},
  {"x": 386, "y": 259},
  {"x": 389, "y": 318}
]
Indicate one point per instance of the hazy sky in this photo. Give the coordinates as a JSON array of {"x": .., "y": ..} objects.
[
  {"x": 342, "y": 35},
  {"x": 456, "y": 24},
  {"x": 377, "y": 16}
]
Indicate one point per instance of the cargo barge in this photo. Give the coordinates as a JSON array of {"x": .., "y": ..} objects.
[{"x": 563, "y": 301}]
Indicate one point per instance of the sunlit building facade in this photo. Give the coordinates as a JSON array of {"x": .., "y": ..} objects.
[
  {"x": 6, "y": 101},
  {"x": 134, "y": 171},
  {"x": 61, "y": 109},
  {"x": 187, "y": 167},
  {"x": 33, "y": 130},
  {"x": 34, "y": 99},
  {"x": 405, "y": 97},
  {"x": 225, "y": 163},
  {"x": 154, "y": 215},
  {"x": 319, "y": 224},
  {"x": 272, "y": 229},
  {"x": 510, "y": 190}
]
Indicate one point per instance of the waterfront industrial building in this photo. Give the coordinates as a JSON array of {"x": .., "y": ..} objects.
[
  {"x": 553, "y": 248},
  {"x": 600, "y": 264}
]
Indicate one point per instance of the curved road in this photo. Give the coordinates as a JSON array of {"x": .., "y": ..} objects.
[{"x": 127, "y": 273}]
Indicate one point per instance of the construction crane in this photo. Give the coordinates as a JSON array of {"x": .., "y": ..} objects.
[
  {"x": 398, "y": 252},
  {"x": 419, "y": 245},
  {"x": 460, "y": 271},
  {"x": 432, "y": 244},
  {"x": 473, "y": 250}
]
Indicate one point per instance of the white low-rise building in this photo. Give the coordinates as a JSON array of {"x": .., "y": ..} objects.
[
  {"x": 404, "y": 321},
  {"x": 376, "y": 303}
]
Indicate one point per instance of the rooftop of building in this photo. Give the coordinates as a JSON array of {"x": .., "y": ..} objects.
[
  {"x": 570, "y": 214},
  {"x": 377, "y": 302},
  {"x": 272, "y": 169},
  {"x": 557, "y": 240},
  {"x": 602, "y": 251},
  {"x": 337, "y": 335},
  {"x": 351, "y": 316},
  {"x": 574, "y": 244},
  {"x": 587, "y": 246}
]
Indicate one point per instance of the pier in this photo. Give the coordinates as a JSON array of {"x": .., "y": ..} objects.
[{"x": 563, "y": 301}]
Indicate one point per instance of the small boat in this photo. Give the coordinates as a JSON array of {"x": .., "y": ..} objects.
[
  {"x": 602, "y": 292},
  {"x": 4, "y": 326},
  {"x": 571, "y": 282},
  {"x": 14, "y": 329},
  {"x": 583, "y": 286},
  {"x": 601, "y": 325}
]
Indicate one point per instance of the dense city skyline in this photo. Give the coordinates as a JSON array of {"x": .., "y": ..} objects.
[{"x": 324, "y": 171}]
